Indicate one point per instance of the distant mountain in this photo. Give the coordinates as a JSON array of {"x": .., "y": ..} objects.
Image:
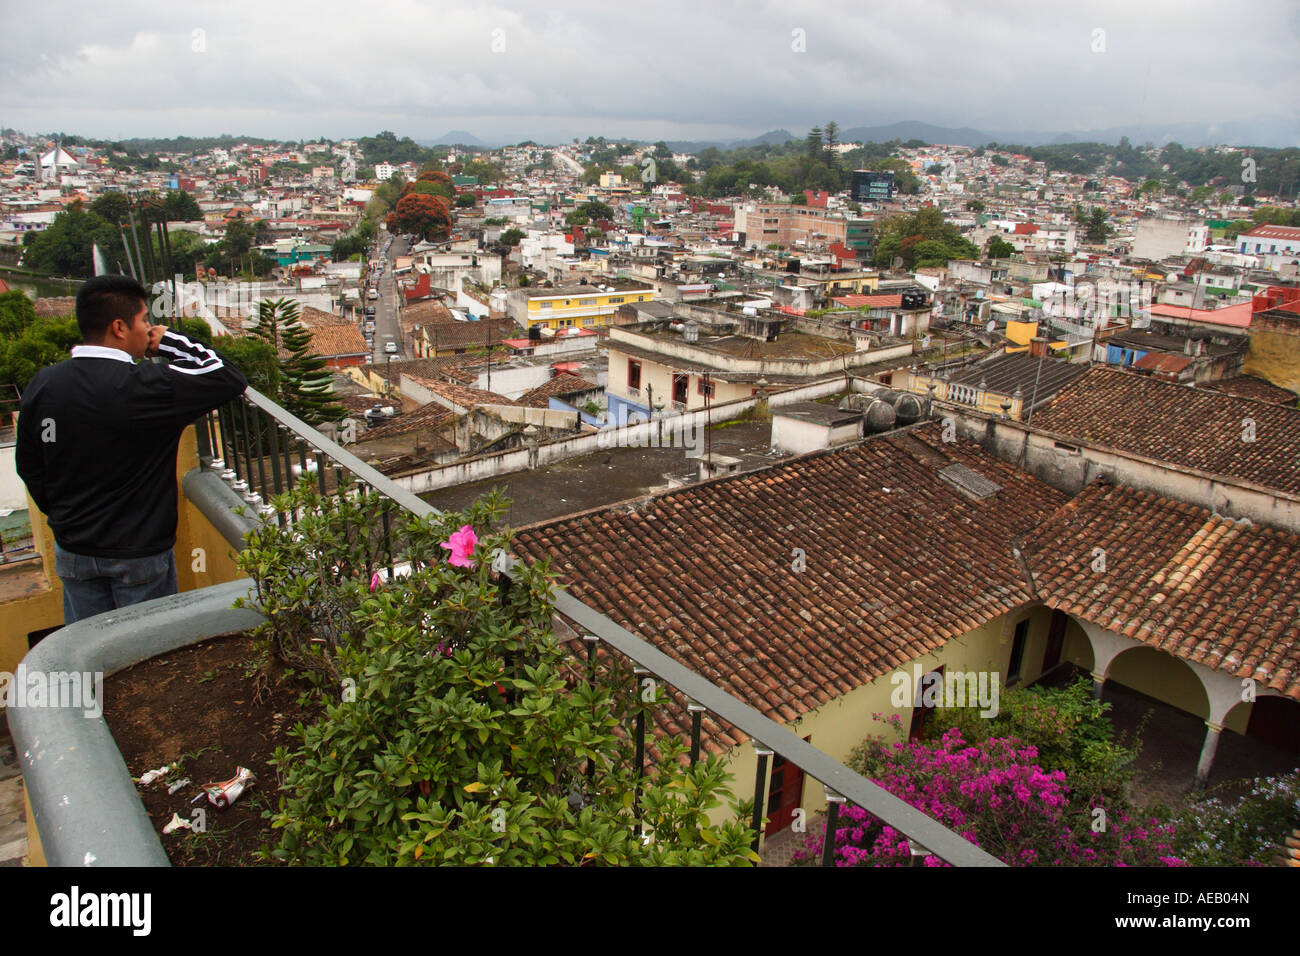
[
  {"x": 775, "y": 137},
  {"x": 1279, "y": 132},
  {"x": 456, "y": 137},
  {"x": 911, "y": 129}
]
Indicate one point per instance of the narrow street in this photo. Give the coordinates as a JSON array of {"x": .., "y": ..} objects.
[{"x": 388, "y": 326}]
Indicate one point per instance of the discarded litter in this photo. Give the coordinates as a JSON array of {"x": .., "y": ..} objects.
[
  {"x": 222, "y": 795},
  {"x": 177, "y": 823},
  {"x": 178, "y": 785},
  {"x": 149, "y": 776}
]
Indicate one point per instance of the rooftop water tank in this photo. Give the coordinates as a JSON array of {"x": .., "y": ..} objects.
[{"x": 880, "y": 416}]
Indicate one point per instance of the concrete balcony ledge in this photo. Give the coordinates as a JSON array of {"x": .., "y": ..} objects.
[{"x": 83, "y": 801}]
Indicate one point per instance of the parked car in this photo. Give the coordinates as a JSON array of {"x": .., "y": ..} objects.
[
  {"x": 390, "y": 347},
  {"x": 372, "y": 294}
]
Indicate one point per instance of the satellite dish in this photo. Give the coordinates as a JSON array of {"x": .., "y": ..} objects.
[{"x": 992, "y": 326}]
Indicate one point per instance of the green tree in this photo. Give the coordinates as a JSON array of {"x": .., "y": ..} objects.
[
  {"x": 16, "y": 313},
  {"x": 64, "y": 247},
  {"x": 180, "y": 206},
  {"x": 830, "y": 137},
  {"x": 1098, "y": 229},
  {"x": 511, "y": 237},
  {"x": 998, "y": 249},
  {"x": 595, "y": 209},
  {"x": 814, "y": 144},
  {"x": 43, "y": 342},
  {"x": 305, "y": 385},
  {"x": 466, "y": 201},
  {"x": 255, "y": 357}
]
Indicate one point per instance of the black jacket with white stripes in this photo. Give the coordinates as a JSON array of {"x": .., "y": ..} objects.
[{"x": 97, "y": 440}]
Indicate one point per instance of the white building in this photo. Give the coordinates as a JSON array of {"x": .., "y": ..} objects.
[
  {"x": 1275, "y": 246},
  {"x": 384, "y": 171},
  {"x": 1161, "y": 238}
]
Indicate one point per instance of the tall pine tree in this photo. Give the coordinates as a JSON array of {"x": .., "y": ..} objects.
[{"x": 305, "y": 388}]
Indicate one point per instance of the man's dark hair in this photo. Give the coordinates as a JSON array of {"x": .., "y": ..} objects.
[{"x": 105, "y": 298}]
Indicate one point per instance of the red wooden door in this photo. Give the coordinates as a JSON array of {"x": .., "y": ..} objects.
[
  {"x": 920, "y": 711},
  {"x": 784, "y": 794},
  {"x": 1055, "y": 641}
]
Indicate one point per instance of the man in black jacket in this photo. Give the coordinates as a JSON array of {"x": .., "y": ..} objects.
[{"x": 97, "y": 440}]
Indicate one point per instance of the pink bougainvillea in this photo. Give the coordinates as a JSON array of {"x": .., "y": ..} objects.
[{"x": 996, "y": 796}]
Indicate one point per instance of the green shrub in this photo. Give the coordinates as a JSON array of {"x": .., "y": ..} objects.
[
  {"x": 1220, "y": 831},
  {"x": 455, "y": 728}
]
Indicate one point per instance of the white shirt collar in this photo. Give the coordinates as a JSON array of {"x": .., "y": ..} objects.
[{"x": 101, "y": 351}]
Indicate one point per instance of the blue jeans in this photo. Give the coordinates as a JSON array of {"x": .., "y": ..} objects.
[{"x": 94, "y": 585}]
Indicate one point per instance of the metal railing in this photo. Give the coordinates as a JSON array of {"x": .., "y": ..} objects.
[{"x": 254, "y": 444}]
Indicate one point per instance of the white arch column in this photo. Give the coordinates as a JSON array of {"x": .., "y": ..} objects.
[
  {"x": 1106, "y": 646},
  {"x": 1223, "y": 691}
]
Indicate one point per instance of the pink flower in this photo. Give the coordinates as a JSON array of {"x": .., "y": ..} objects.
[
  {"x": 461, "y": 545},
  {"x": 374, "y": 581}
]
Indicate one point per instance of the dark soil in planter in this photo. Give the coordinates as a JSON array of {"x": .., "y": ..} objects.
[{"x": 214, "y": 706}]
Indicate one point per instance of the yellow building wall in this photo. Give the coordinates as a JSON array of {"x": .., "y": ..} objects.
[
  {"x": 581, "y": 308},
  {"x": 840, "y": 725},
  {"x": 1021, "y": 333},
  {"x": 1274, "y": 357}
]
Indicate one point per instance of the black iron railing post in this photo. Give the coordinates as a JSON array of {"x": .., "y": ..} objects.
[
  {"x": 760, "y": 793},
  {"x": 261, "y": 496},
  {"x": 833, "y": 801},
  {"x": 593, "y": 643},
  {"x": 697, "y": 712},
  {"x": 247, "y": 477}
]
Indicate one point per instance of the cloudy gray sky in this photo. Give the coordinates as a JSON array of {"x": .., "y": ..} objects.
[{"x": 649, "y": 69}]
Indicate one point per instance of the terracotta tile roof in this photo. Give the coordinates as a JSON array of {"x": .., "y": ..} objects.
[
  {"x": 1165, "y": 362},
  {"x": 1248, "y": 386},
  {"x": 424, "y": 367},
  {"x": 1272, "y": 232},
  {"x": 55, "y": 306},
  {"x": 1189, "y": 427},
  {"x": 462, "y": 335},
  {"x": 337, "y": 340},
  {"x": 430, "y": 312},
  {"x": 883, "y": 300},
  {"x": 558, "y": 387},
  {"x": 429, "y": 417},
  {"x": 1205, "y": 588},
  {"x": 898, "y": 563},
  {"x": 313, "y": 318},
  {"x": 464, "y": 396}
]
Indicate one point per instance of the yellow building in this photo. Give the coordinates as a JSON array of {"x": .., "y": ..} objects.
[{"x": 577, "y": 306}]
